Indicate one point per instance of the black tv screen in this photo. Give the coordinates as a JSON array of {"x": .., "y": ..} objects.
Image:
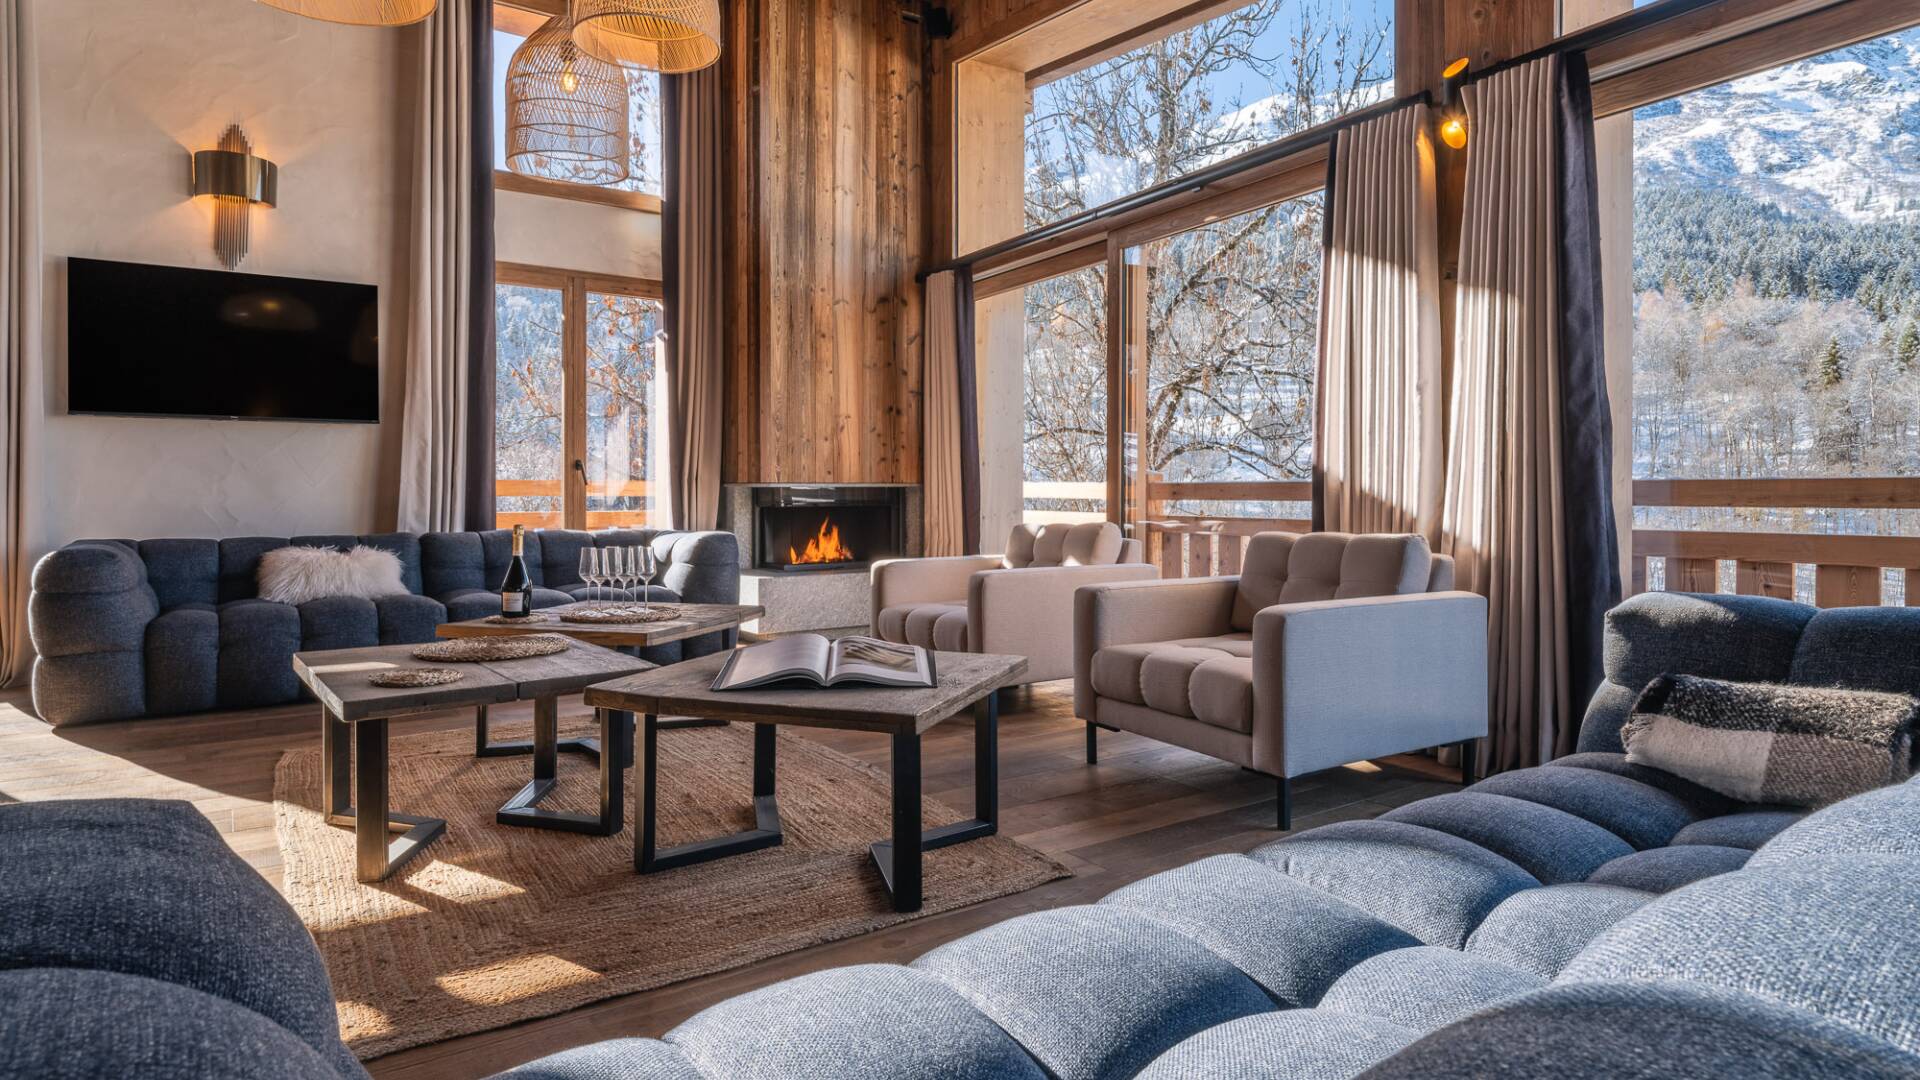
[{"x": 165, "y": 341}]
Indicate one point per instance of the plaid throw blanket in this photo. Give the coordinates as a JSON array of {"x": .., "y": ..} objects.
[{"x": 1764, "y": 743}]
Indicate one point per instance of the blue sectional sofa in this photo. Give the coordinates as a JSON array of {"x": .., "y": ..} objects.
[
  {"x": 1587, "y": 919},
  {"x": 131, "y": 628}
]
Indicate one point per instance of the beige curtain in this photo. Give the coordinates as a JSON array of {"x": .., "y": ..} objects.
[
  {"x": 435, "y": 426},
  {"x": 940, "y": 460},
  {"x": 1381, "y": 455},
  {"x": 696, "y": 377},
  {"x": 1505, "y": 475},
  {"x": 20, "y": 320}
]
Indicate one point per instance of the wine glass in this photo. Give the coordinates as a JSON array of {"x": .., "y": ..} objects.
[
  {"x": 616, "y": 568},
  {"x": 647, "y": 564},
  {"x": 589, "y": 568}
]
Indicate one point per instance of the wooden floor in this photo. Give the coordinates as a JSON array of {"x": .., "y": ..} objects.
[{"x": 1146, "y": 807}]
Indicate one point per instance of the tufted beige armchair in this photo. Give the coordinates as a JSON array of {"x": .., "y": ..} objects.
[
  {"x": 1018, "y": 604},
  {"x": 1327, "y": 648}
]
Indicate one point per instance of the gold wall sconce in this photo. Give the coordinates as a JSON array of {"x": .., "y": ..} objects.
[
  {"x": 235, "y": 180},
  {"x": 1453, "y": 115}
]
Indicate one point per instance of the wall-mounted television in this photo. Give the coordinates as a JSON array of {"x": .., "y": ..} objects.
[{"x": 167, "y": 341}]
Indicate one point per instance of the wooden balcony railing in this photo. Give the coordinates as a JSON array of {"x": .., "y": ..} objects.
[
  {"x": 555, "y": 518},
  {"x": 1848, "y": 569}
]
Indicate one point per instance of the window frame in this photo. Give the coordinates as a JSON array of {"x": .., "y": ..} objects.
[{"x": 573, "y": 287}]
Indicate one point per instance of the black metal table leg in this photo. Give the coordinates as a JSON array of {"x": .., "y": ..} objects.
[
  {"x": 903, "y": 875},
  {"x": 766, "y": 807},
  {"x": 616, "y": 734},
  {"x": 521, "y": 747},
  {"x": 376, "y": 856}
]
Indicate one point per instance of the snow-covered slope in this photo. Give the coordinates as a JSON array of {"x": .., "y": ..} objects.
[{"x": 1835, "y": 134}]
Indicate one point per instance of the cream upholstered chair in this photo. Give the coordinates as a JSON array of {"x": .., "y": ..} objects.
[
  {"x": 1019, "y": 603},
  {"x": 1327, "y": 648}
]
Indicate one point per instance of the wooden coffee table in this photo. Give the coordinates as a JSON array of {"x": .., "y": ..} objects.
[
  {"x": 696, "y": 620},
  {"x": 338, "y": 677},
  {"x": 966, "y": 680}
]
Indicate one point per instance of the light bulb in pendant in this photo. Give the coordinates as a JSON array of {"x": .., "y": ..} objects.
[{"x": 569, "y": 78}]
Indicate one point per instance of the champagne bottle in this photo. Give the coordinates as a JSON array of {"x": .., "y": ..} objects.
[{"x": 516, "y": 593}]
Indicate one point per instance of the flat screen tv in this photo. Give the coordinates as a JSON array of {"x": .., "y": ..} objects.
[{"x": 166, "y": 341}]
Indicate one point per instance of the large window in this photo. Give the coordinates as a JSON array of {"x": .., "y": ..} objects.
[
  {"x": 1777, "y": 314},
  {"x": 575, "y": 384},
  {"x": 1202, "y": 95},
  {"x": 1064, "y": 450}
]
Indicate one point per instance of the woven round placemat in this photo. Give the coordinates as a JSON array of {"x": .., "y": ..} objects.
[
  {"x": 413, "y": 678},
  {"x": 508, "y": 620},
  {"x": 621, "y": 616},
  {"x": 473, "y": 650}
]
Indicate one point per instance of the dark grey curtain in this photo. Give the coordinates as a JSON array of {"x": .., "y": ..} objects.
[
  {"x": 1593, "y": 549},
  {"x": 1319, "y": 489},
  {"x": 479, "y": 467},
  {"x": 969, "y": 408}
]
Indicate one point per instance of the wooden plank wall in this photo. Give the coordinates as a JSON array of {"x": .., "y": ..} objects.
[{"x": 828, "y": 195}]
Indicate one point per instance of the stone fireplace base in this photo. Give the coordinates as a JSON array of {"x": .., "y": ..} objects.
[{"x": 812, "y": 600}]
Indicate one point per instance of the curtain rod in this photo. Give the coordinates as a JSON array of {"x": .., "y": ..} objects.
[
  {"x": 1600, "y": 33},
  {"x": 1252, "y": 159}
]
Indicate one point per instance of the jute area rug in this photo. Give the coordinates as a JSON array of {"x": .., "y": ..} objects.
[{"x": 494, "y": 924}]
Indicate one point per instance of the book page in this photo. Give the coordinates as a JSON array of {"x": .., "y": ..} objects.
[
  {"x": 872, "y": 659},
  {"x": 801, "y": 655}
]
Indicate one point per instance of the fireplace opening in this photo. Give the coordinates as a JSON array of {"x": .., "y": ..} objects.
[{"x": 801, "y": 529}]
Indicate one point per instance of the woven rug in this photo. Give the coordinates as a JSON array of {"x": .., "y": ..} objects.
[{"x": 494, "y": 924}]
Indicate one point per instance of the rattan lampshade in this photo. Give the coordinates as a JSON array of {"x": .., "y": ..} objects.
[
  {"x": 567, "y": 112},
  {"x": 359, "y": 12},
  {"x": 666, "y": 35}
]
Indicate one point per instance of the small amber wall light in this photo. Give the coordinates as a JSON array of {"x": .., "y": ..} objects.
[
  {"x": 1453, "y": 128},
  {"x": 237, "y": 181}
]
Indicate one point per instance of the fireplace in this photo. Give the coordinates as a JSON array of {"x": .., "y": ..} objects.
[{"x": 810, "y": 528}]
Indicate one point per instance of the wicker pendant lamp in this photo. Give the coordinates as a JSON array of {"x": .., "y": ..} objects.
[
  {"x": 567, "y": 112},
  {"x": 671, "y": 36},
  {"x": 359, "y": 12}
]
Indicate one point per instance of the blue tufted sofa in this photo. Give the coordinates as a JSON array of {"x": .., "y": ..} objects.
[
  {"x": 1586, "y": 919},
  {"x": 131, "y": 628}
]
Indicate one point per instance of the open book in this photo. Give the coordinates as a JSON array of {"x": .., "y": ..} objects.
[{"x": 811, "y": 658}]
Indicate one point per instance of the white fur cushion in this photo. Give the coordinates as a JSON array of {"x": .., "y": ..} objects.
[{"x": 295, "y": 575}]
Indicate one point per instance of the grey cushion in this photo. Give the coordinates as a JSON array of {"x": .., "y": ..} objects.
[
  {"x": 1263, "y": 570},
  {"x": 1883, "y": 822},
  {"x": 1540, "y": 930},
  {"x": 1298, "y": 1044},
  {"x": 1704, "y": 801},
  {"x": 857, "y": 1023},
  {"x": 1291, "y": 938},
  {"x": 1771, "y": 932},
  {"x": 1744, "y": 638},
  {"x": 1748, "y": 829},
  {"x": 257, "y": 641},
  {"x": 1427, "y": 987},
  {"x": 1431, "y": 884},
  {"x": 1641, "y": 814},
  {"x": 404, "y": 620},
  {"x": 614, "y": 1059},
  {"x": 70, "y": 1024},
  {"x": 1649, "y": 1032},
  {"x": 240, "y": 565},
  {"x": 338, "y": 622},
  {"x": 1552, "y": 845},
  {"x": 183, "y": 661},
  {"x": 182, "y": 571},
  {"x": 1666, "y": 869},
  {"x": 90, "y": 566},
  {"x": 148, "y": 888},
  {"x": 1860, "y": 648},
  {"x": 88, "y": 687},
  {"x": 406, "y": 548},
  {"x": 1094, "y": 991}
]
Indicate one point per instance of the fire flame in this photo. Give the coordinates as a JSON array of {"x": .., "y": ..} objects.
[{"x": 824, "y": 547}]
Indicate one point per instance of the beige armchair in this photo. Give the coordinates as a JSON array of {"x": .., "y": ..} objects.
[
  {"x": 1327, "y": 649},
  {"x": 1019, "y": 603}
]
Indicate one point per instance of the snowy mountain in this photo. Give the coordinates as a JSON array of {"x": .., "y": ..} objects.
[{"x": 1836, "y": 135}]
